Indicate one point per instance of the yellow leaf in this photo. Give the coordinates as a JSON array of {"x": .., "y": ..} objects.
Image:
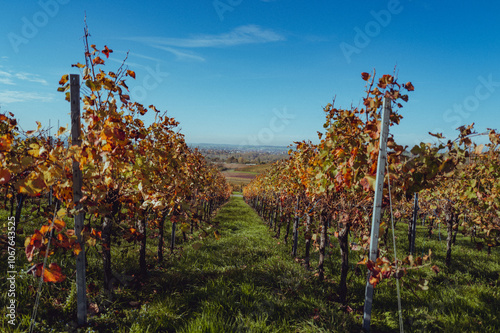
[
  {"x": 61, "y": 131},
  {"x": 91, "y": 242},
  {"x": 64, "y": 79},
  {"x": 61, "y": 212}
]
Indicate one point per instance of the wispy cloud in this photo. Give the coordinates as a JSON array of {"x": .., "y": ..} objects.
[
  {"x": 247, "y": 34},
  {"x": 31, "y": 78},
  {"x": 12, "y": 96},
  {"x": 127, "y": 63},
  {"x": 6, "y": 78},
  {"x": 179, "y": 54},
  {"x": 10, "y": 78}
]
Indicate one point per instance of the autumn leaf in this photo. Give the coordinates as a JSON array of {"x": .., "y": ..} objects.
[
  {"x": 77, "y": 248},
  {"x": 59, "y": 224},
  {"x": 64, "y": 79},
  {"x": 61, "y": 131},
  {"x": 51, "y": 273},
  {"x": 365, "y": 76},
  {"x": 131, "y": 73},
  {"x": 77, "y": 65},
  {"x": 374, "y": 281},
  {"x": 44, "y": 229},
  {"x": 368, "y": 183},
  {"x": 98, "y": 61},
  {"x": 30, "y": 249},
  {"x": 106, "y": 51},
  {"x": 437, "y": 135},
  {"x": 409, "y": 86},
  {"x": 4, "y": 176}
]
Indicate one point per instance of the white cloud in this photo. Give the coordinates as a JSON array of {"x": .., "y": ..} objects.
[
  {"x": 12, "y": 96},
  {"x": 9, "y": 78},
  {"x": 31, "y": 78},
  {"x": 180, "y": 55},
  {"x": 6, "y": 78},
  {"x": 247, "y": 34}
]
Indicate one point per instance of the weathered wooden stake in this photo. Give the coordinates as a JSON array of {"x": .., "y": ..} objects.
[
  {"x": 377, "y": 205},
  {"x": 81, "y": 297}
]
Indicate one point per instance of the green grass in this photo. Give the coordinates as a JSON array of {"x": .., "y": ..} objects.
[{"x": 246, "y": 281}]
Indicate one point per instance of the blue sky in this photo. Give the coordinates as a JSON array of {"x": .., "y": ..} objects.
[{"x": 259, "y": 72}]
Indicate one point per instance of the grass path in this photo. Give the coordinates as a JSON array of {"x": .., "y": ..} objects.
[
  {"x": 243, "y": 282},
  {"x": 246, "y": 281}
]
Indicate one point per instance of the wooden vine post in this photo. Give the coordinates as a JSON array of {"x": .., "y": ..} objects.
[
  {"x": 81, "y": 297},
  {"x": 377, "y": 205}
]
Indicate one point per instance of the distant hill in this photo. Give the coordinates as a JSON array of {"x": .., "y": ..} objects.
[{"x": 240, "y": 148}]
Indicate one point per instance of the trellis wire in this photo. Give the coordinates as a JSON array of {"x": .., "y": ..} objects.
[
  {"x": 395, "y": 257},
  {"x": 39, "y": 291}
]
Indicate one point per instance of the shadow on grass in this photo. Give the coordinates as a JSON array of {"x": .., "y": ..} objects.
[{"x": 243, "y": 282}]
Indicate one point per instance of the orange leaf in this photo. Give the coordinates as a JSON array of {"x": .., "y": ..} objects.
[
  {"x": 77, "y": 248},
  {"x": 36, "y": 239},
  {"x": 59, "y": 224},
  {"x": 365, "y": 76},
  {"x": 98, "y": 61},
  {"x": 53, "y": 274},
  {"x": 64, "y": 79},
  {"x": 106, "y": 51},
  {"x": 409, "y": 86},
  {"x": 374, "y": 280},
  {"x": 44, "y": 229},
  {"x": 131, "y": 73}
]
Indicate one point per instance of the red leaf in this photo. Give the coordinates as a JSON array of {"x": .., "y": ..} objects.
[
  {"x": 4, "y": 176},
  {"x": 29, "y": 252},
  {"x": 106, "y": 51},
  {"x": 409, "y": 86},
  {"x": 365, "y": 76}
]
